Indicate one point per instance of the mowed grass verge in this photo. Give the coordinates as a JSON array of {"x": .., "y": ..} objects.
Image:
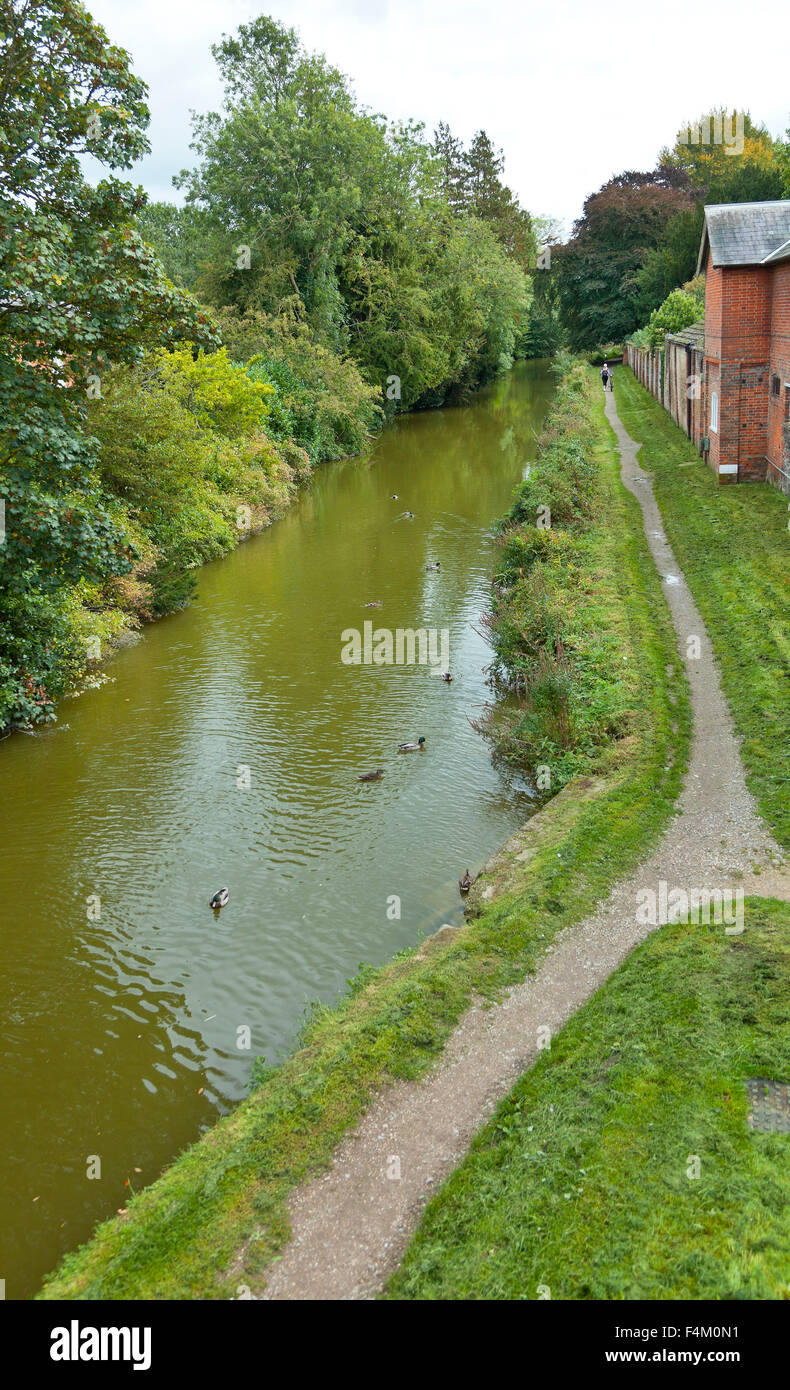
[
  {"x": 733, "y": 545},
  {"x": 584, "y": 1182},
  {"x": 217, "y": 1216}
]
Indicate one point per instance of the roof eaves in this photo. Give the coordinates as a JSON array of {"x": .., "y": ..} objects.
[
  {"x": 782, "y": 253},
  {"x": 702, "y": 248}
]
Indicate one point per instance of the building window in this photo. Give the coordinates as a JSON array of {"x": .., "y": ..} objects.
[
  {"x": 714, "y": 411},
  {"x": 775, "y": 386}
]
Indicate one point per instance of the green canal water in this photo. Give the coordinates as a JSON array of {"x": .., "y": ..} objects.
[{"x": 224, "y": 752}]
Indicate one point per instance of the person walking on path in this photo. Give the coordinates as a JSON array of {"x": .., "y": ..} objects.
[{"x": 605, "y": 374}]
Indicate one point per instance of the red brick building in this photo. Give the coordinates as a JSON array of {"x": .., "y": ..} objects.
[{"x": 745, "y": 254}]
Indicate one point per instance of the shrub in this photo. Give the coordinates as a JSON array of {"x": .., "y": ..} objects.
[
  {"x": 183, "y": 443},
  {"x": 318, "y": 399},
  {"x": 171, "y": 588},
  {"x": 551, "y": 648},
  {"x": 679, "y": 310}
]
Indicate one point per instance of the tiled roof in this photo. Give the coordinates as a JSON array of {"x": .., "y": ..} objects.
[
  {"x": 694, "y": 334},
  {"x": 745, "y": 233}
]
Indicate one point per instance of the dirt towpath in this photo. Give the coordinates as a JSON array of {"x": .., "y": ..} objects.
[{"x": 352, "y": 1225}]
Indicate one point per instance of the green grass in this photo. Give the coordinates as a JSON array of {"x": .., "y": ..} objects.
[
  {"x": 580, "y": 1181},
  {"x": 733, "y": 546},
  {"x": 559, "y": 623},
  {"x": 217, "y": 1216}
]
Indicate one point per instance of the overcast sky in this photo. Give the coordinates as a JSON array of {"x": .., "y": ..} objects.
[{"x": 573, "y": 91}]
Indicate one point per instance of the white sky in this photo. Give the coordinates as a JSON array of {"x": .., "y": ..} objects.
[{"x": 573, "y": 91}]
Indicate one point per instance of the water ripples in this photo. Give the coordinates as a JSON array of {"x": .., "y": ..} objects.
[{"x": 225, "y": 752}]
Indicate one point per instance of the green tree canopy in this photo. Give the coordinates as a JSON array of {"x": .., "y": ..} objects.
[
  {"x": 679, "y": 310},
  {"x": 78, "y": 289},
  {"x": 619, "y": 226},
  {"x": 321, "y": 212},
  {"x": 717, "y": 172},
  {"x": 454, "y": 170}
]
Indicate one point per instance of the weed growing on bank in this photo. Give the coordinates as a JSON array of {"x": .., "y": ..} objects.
[{"x": 556, "y": 620}]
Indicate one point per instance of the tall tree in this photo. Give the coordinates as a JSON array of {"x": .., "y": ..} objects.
[
  {"x": 181, "y": 238},
  {"x": 284, "y": 171},
  {"x": 78, "y": 289},
  {"x": 783, "y": 163},
  {"x": 493, "y": 202},
  {"x": 484, "y": 165},
  {"x": 449, "y": 151},
  {"x": 619, "y": 226},
  {"x": 727, "y": 159},
  {"x": 346, "y": 222},
  {"x": 725, "y": 151}
]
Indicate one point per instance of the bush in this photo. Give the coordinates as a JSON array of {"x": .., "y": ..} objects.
[
  {"x": 33, "y": 632},
  {"x": 679, "y": 310},
  {"x": 183, "y": 445},
  {"x": 551, "y": 644},
  {"x": 316, "y": 398},
  {"x": 171, "y": 588}
]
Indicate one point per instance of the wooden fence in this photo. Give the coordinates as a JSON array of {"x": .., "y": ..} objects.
[{"x": 675, "y": 376}]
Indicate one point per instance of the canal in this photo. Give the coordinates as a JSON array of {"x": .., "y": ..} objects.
[{"x": 224, "y": 751}]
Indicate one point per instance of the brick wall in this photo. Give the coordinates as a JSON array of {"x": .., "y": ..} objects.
[
  {"x": 781, "y": 477},
  {"x": 712, "y": 384},
  {"x": 713, "y": 288},
  {"x": 738, "y": 323},
  {"x": 747, "y": 343},
  {"x": 746, "y": 391},
  {"x": 779, "y": 366},
  {"x": 745, "y": 334}
]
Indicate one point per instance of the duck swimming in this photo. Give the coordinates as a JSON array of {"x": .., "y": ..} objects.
[
  {"x": 466, "y": 882},
  {"x": 220, "y": 899},
  {"x": 435, "y": 566},
  {"x": 412, "y": 747},
  {"x": 371, "y": 776},
  {"x": 446, "y": 676}
]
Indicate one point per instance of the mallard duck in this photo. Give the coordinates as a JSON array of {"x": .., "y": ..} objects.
[
  {"x": 394, "y": 497},
  {"x": 220, "y": 899},
  {"x": 371, "y": 776},
  {"x": 435, "y": 566},
  {"x": 466, "y": 882},
  {"x": 446, "y": 676},
  {"x": 412, "y": 747},
  {"x": 375, "y": 603}
]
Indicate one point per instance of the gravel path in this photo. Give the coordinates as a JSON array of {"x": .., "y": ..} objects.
[{"x": 351, "y": 1226}]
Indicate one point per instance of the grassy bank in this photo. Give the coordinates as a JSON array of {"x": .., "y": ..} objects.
[
  {"x": 217, "y": 1216},
  {"x": 733, "y": 546},
  {"x": 580, "y": 1183},
  {"x": 560, "y": 621}
]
